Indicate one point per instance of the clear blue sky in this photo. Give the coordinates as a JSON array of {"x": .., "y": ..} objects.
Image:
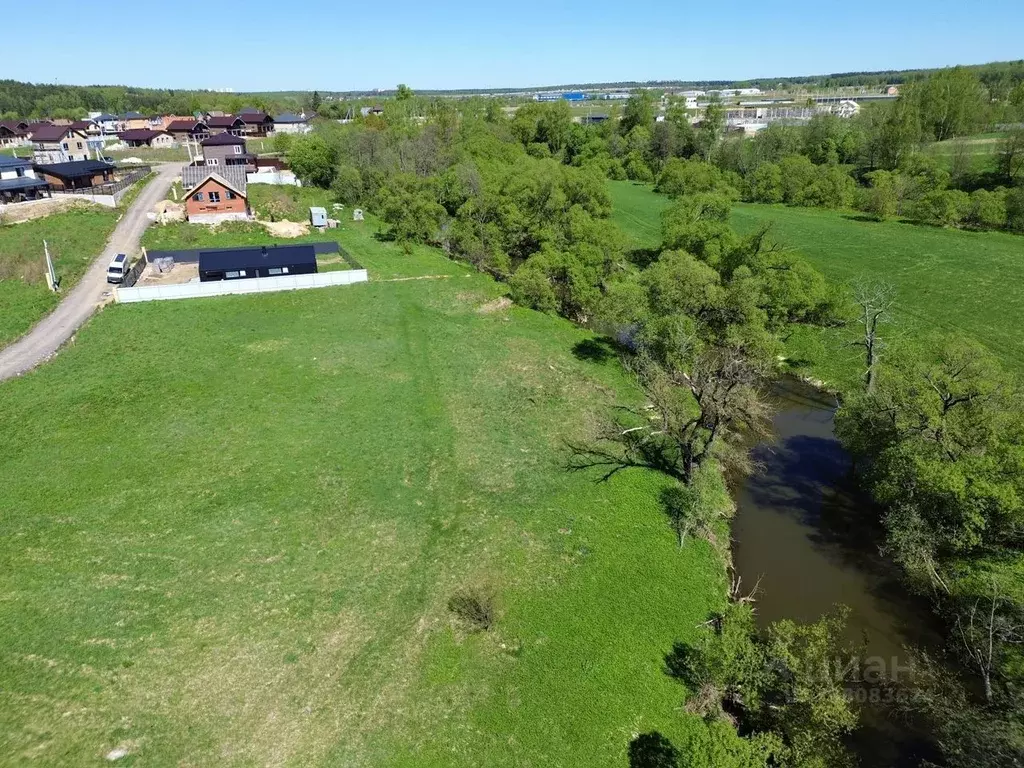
[{"x": 334, "y": 45}]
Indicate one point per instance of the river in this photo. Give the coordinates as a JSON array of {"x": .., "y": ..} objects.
[{"x": 809, "y": 539}]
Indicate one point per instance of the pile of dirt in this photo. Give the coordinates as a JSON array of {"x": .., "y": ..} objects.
[
  {"x": 168, "y": 210},
  {"x": 286, "y": 228}
]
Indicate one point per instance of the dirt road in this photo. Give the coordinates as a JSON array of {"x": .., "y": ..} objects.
[{"x": 50, "y": 333}]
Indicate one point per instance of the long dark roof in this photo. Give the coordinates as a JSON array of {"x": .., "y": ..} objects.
[
  {"x": 75, "y": 168},
  {"x": 289, "y": 117},
  {"x": 50, "y": 132},
  {"x": 184, "y": 125},
  {"x": 251, "y": 258},
  {"x": 24, "y": 182},
  {"x": 139, "y": 134},
  {"x": 255, "y": 117},
  {"x": 223, "y": 121},
  {"x": 222, "y": 139},
  {"x": 81, "y": 125},
  {"x": 14, "y": 162}
]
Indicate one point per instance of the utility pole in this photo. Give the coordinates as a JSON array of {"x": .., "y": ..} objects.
[{"x": 51, "y": 275}]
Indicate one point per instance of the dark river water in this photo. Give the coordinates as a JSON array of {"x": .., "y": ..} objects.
[{"x": 811, "y": 539}]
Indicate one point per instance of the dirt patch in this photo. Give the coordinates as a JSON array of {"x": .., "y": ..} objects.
[
  {"x": 286, "y": 228},
  {"x": 18, "y": 213},
  {"x": 498, "y": 305},
  {"x": 180, "y": 273},
  {"x": 168, "y": 210}
]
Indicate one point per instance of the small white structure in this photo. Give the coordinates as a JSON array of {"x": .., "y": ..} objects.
[
  {"x": 318, "y": 217},
  {"x": 357, "y": 214}
]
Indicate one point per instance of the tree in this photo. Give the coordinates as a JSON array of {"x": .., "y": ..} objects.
[
  {"x": 882, "y": 196},
  {"x": 1010, "y": 158},
  {"x": 984, "y": 632},
  {"x": 950, "y": 102},
  {"x": 876, "y": 302},
  {"x": 313, "y": 159},
  {"x": 691, "y": 417},
  {"x": 315, "y": 101},
  {"x": 403, "y": 92},
  {"x": 710, "y": 128},
  {"x": 639, "y": 111},
  {"x": 766, "y": 184},
  {"x": 691, "y": 509}
]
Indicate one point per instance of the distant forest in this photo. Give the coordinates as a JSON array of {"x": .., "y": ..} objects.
[{"x": 31, "y": 100}]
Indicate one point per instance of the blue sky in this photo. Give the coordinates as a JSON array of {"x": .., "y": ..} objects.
[{"x": 332, "y": 45}]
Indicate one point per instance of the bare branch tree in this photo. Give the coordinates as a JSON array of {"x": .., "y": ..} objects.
[
  {"x": 876, "y": 301},
  {"x": 983, "y": 635}
]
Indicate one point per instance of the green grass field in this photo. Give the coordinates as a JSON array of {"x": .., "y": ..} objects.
[
  {"x": 231, "y": 535},
  {"x": 947, "y": 281},
  {"x": 75, "y": 238}
]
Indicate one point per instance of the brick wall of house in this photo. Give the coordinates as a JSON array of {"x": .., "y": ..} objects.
[{"x": 206, "y": 205}]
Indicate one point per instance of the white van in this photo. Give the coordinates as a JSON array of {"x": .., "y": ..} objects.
[{"x": 118, "y": 269}]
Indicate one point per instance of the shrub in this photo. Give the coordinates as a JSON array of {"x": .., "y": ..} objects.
[
  {"x": 475, "y": 605},
  {"x": 987, "y": 210},
  {"x": 1015, "y": 210},
  {"x": 944, "y": 207}
]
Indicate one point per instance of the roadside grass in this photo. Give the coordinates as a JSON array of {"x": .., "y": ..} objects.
[
  {"x": 232, "y": 533},
  {"x": 947, "y": 281},
  {"x": 75, "y": 238}
]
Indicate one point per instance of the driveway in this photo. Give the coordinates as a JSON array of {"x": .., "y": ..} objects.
[{"x": 43, "y": 341}]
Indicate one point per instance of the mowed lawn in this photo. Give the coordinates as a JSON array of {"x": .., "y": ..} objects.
[
  {"x": 946, "y": 281},
  {"x": 231, "y": 528}
]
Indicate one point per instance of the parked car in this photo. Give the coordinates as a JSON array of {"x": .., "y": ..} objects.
[{"x": 118, "y": 269}]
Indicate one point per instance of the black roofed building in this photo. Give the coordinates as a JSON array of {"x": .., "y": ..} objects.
[
  {"x": 265, "y": 261},
  {"x": 77, "y": 174},
  {"x": 257, "y": 123},
  {"x": 18, "y": 181}
]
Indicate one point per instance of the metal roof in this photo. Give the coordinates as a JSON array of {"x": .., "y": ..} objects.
[
  {"x": 14, "y": 162},
  {"x": 289, "y": 117},
  {"x": 222, "y": 139},
  {"x": 76, "y": 168},
  {"x": 256, "y": 257},
  {"x": 25, "y": 182},
  {"x": 140, "y": 134},
  {"x": 193, "y": 175},
  {"x": 50, "y": 132}
]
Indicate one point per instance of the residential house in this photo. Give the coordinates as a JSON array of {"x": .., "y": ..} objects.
[
  {"x": 77, "y": 174},
  {"x": 226, "y": 124},
  {"x": 107, "y": 123},
  {"x": 59, "y": 144},
  {"x": 367, "y": 111},
  {"x": 291, "y": 123},
  {"x": 191, "y": 175},
  {"x": 36, "y": 125},
  {"x": 143, "y": 137},
  {"x": 257, "y": 261},
  {"x": 134, "y": 121},
  {"x": 163, "y": 121},
  {"x": 188, "y": 130},
  {"x": 13, "y": 133},
  {"x": 88, "y": 127},
  {"x": 215, "y": 199},
  {"x": 257, "y": 123},
  {"x": 226, "y": 150},
  {"x": 18, "y": 180}
]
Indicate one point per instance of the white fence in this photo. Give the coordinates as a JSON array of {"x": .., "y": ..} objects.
[{"x": 246, "y": 285}]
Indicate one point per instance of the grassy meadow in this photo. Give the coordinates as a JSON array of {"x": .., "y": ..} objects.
[
  {"x": 75, "y": 239},
  {"x": 231, "y": 535},
  {"x": 947, "y": 281}
]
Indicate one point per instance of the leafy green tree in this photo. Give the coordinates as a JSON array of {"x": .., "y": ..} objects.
[
  {"x": 691, "y": 177},
  {"x": 347, "y": 185},
  {"x": 944, "y": 207},
  {"x": 403, "y": 92},
  {"x": 313, "y": 159},
  {"x": 951, "y": 102},
  {"x": 1010, "y": 158},
  {"x": 1015, "y": 209},
  {"x": 639, "y": 111},
  {"x": 710, "y": 128},
  {"x": 881, "y": 198},
  {"x": 766, "y": 185},
  {"x": 987, "y": 210}
]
